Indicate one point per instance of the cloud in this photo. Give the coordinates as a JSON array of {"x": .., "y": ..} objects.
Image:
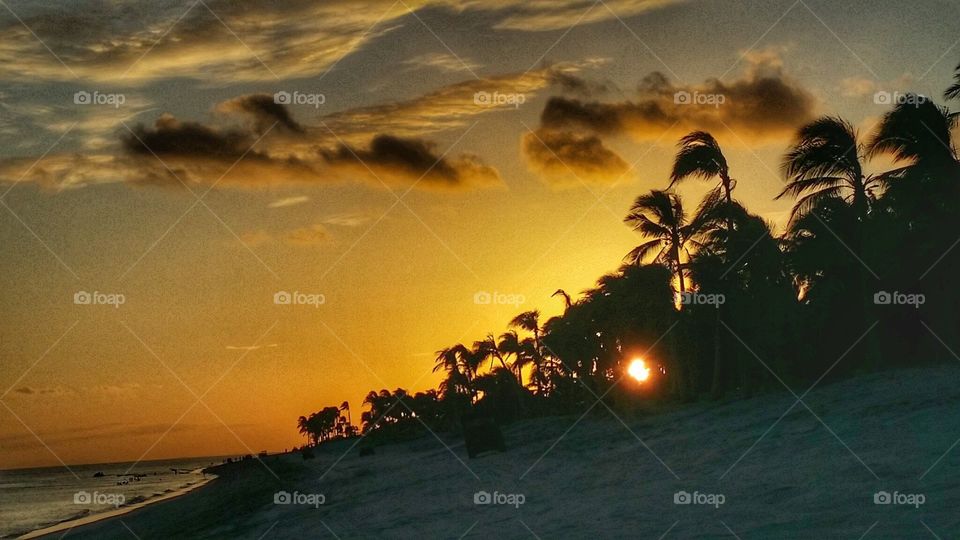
[
  {"x": 263, "y": 111},
  {"x": 859, "y": 87},
  {"x": 449, "y": 107},
  {"x": 249, "y": 347},
  {"x": 347, "y": 220},
  {"x": 222, "y": 41},
  {"x": 442, "y": 62},
  {"x": 299, "y": 237},
  {"x": 108, "y": 431},
  {"x": 307, "y": 236},
  {"x": 762, "y": 105},
  {"x": 391, "y": 136},
  {"x": 562, "y": 157},
  {"x": 388, "y": 156},
  {"x": 288, "y": 201},
  {"x": 544, "y": 15}
]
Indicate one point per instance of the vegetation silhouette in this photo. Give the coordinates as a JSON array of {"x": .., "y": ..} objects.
[{"x": 863, "y": 279}]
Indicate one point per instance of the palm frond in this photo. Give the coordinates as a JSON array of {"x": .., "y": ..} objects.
[{"x": 699, "y": 156}]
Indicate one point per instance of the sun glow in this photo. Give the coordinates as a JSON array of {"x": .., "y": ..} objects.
[{"x": 638, "y": 370}]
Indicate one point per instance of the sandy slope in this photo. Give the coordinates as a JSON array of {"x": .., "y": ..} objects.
[{"x": 802, "y": 480}]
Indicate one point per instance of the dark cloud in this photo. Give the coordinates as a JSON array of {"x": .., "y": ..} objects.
[
  {"x": 562, "y": 157},
  {"x": 573, "y": 84},
  {"x": 171, "y": 137},
  {"x": 763, "y": 104},
  {"x": 263, "y": 110},
  {"x": 204, "y": 154},
  {"x": 413, "y": 158}
]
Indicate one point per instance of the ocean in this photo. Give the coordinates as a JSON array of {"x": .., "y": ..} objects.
[{"x": 32, "y": 499}]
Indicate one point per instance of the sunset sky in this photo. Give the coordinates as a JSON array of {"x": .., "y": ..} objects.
[{"x": 431, "y": 150}]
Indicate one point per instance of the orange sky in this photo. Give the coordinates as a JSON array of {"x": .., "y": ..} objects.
[{"x": 397, "y": 199}]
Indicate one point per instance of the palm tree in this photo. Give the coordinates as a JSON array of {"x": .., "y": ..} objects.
[
  {"x": 954, "y": 91},
  {"x": 487, "y": 348},
  {"x": 659, "y": 216},
  {"x": 824, "y": 162},
  {"x": 303, "y": 427},
  {"x": 449, "y": 359},
  {"x": 700, "y": 156},
  {"x": 345, "y": 406},
  {"x": 529, "y": 321},
  {"x": 563, "y": 294},
  {"x": 918, "y": 131},
  {"x": 531, "y": 350},
  {"x": 510, "y": 344}
]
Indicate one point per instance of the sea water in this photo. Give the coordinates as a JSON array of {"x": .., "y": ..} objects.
[{"x": 32, "y": 499}]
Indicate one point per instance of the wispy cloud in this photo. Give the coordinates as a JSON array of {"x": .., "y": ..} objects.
[
  {"x": 257, "y": 40},
  {"x": 442, "y": 62},
  {"x": 250, "y": 347},
  {"x": 288, "y": 201}
]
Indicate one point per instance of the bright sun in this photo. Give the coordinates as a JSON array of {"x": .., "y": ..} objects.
[{"x": 638, "y": 370}]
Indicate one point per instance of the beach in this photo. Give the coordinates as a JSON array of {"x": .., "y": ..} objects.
[{"x": 764, "y": 467}]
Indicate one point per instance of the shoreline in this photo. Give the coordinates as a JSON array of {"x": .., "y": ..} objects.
[{"x": 100, "y": 517}]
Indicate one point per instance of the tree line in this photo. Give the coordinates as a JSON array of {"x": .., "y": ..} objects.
[{"x": 862, "y": 279}]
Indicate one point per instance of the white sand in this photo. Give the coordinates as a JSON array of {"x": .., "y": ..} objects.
[{"x": 802, "y": 480}]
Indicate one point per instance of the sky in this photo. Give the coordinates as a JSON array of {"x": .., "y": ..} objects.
[{"x": 168, "y": 168}]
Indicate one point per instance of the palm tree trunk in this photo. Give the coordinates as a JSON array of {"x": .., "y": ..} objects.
[{"x": 676, "y": 257}]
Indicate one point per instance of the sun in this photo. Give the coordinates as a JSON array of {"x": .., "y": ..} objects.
[{"x": 638, "y": 370}]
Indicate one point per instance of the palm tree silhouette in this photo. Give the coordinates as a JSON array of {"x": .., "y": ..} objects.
[
  {"x": 487, "y": 348},
  {"x": 531, "y": 351},
  {"x": 563, "y": 294},
  {"x": 918, "y": 131},
  {"x": 824, "y": 162},
  {"x": 700, "y": 156},
  {"x": 659, "y": 216},
  {"x": 510, "y": 344},
  {"x": 954, "y": 91}
]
